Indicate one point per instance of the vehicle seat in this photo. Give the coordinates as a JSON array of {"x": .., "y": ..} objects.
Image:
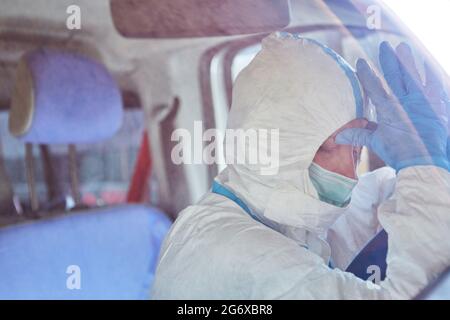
[
  {"x": 110, "y": 252},
  {"x": 373, "y": 254}
]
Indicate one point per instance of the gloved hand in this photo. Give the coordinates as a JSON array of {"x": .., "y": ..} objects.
[{"x": 411, "y": 125}]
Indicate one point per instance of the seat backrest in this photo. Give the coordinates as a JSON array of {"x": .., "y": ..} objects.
[
  {"x": 107, "y": 253},
  {"x": 371, "y": 259}
]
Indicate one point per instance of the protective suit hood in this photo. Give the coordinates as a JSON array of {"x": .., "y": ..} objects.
[{"x": 304, "y": 91}]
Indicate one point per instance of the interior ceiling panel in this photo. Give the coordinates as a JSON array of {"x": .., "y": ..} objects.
[{"x": 29, "y": 24}]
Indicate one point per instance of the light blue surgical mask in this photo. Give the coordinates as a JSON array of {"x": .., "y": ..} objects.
[{"x": 331, "y": 187}]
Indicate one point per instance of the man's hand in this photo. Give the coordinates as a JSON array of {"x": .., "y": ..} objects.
[{"x": 412, "y": 121}]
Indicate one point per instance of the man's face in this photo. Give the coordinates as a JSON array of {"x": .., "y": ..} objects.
[{"x": 341, "y": 159}]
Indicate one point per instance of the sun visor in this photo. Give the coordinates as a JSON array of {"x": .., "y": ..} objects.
[{"x": 197, "y": 18}]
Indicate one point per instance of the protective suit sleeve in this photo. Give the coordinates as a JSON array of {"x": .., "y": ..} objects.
[{"x": 417, "y": 219}]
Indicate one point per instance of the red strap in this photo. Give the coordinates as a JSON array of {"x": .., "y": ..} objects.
[{"x": 139, "y": 187}]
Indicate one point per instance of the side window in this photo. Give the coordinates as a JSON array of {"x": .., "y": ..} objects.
[{"x": 104, "y": 169}]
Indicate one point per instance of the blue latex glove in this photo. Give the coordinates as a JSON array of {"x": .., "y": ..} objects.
[{"x": 411, "y": 125}]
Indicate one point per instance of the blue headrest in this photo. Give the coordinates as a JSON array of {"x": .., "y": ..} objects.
[{"x": 63, "y": 98}]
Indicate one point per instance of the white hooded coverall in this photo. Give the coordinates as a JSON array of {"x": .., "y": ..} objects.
[{"x": 215, "y": 250}]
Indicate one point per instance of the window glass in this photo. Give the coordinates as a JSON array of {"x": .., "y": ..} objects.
[{"x": 104, "y": 169}]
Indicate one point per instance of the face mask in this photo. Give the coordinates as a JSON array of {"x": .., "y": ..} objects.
[{"x": 332, "y": 188}]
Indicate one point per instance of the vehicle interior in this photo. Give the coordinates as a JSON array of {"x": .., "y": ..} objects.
[{"x": 87, "y": 184}]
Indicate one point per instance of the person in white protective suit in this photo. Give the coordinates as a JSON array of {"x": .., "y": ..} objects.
[{"x": 273, "y": 236}]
